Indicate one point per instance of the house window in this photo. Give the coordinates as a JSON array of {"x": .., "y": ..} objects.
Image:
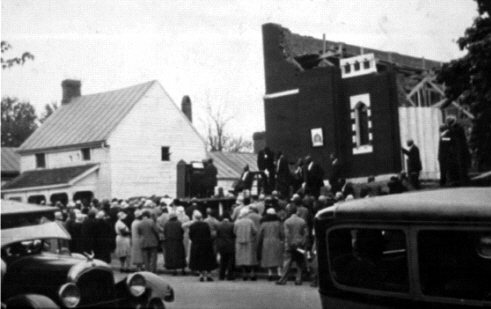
[
  {"x": 40, "y": 160},
  {"x": 165, "y": 154},
  {"x": 86, "y": 154},
  {"x": 361, "y": 122}
]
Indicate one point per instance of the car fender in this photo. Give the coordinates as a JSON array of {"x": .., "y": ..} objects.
[
  {"x": 158, "y": 286},
  {"x": 30, "y": 301}
]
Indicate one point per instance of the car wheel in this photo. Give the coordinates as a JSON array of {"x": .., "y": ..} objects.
[
  {"x": 30, "y": 301},
  {"x": 156, "y": 303}
]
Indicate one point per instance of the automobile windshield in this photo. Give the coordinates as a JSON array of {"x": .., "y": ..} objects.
[
  {"x": 374, "y": 259},
  {"x": 455, "y": 264}
]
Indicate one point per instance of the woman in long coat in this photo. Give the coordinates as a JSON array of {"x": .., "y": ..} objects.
[
  {"x": 202, "y": 257},
  {"x": 271, "y": 236},
  {"x": 245, "y": 244},
  {"x": 175, "y": 255},
  {"x": 136, "y": 249}
]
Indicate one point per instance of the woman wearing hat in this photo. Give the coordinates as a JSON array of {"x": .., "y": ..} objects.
[
  {"x": 202, "y": 258},
  {"x": 174, "y": 253},
  {"x": 245, "y": 244},
  {"x": 123, "y": 243},
  {"x": 136, "y": 249},
  {"x": 271, "y": 235}
]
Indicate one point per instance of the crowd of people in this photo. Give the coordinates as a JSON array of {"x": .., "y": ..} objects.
[
  {"x": 269, "y": 232},
  {"x": 266, "y": 233}
]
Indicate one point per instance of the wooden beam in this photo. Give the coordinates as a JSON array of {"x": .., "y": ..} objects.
[
  {"x": 418, "y": 86},
  {"x": 467, "y": 113},
  {"x": 411, "y": 101}
]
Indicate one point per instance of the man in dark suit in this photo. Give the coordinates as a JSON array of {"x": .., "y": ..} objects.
[
  {"x": 245, "y": 180},
  {"x": 283, "y": 175},
  {"x": 149, "y": 234},
  {"x": 265, "y": 162},
  {"x": 210, "y": 178},
  {"x": 314, "y": 177},
  {"x": 413, "y": 163}
]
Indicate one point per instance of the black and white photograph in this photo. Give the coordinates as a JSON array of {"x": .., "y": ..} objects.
[{"x": 245, "y": 154}]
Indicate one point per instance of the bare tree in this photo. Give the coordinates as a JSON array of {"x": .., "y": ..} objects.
[{"x": 218, "y": 138}]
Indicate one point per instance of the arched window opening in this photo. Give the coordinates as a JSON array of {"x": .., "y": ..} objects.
[
  {"x": 361, "y": 122},
  {"x": 59, "y": 197},
  {"x": 36, "y": 199}
]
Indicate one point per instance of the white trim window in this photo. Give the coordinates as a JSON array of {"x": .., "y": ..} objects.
[{"x": 361, "y": 124}]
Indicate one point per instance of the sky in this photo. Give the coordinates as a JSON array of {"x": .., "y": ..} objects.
[{"x": 209, "y": 50}]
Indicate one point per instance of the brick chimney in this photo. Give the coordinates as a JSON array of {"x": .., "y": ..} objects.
[
  {"x": 71, "y": 89},
  {"x": 187, "y": 108},
  {"x": 259, "y": 141}
]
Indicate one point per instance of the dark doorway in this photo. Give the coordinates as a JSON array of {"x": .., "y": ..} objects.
[{"x": 84, "y": 196}]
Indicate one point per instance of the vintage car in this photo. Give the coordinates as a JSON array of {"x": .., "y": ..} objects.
[
  {"x": 42, "y": 273},
  {"x": 422, "y": 249}
]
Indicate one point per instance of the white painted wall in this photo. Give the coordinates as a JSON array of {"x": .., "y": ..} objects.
[
  {"x": 63, "y": 158},
  {"x": 136, "y": 165},
  {"x": 422, "y": 124},
  {"x": 99, "y": 182}
]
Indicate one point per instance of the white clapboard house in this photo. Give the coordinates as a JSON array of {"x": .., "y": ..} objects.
[{"x": 120, "y": 143}]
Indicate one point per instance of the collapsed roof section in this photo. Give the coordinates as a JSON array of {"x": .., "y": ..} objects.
[{"x": 307, "y": 53}]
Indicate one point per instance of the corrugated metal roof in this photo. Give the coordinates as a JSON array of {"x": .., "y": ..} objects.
[
  {"x": 48, "y": 177},
  {"x": 10, "y": 160},
  {"x": 231, "y": 164},
  {"x": 86, "y": 119}
]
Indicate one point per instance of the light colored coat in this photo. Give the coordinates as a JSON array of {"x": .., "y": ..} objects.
[
  {"x": 136, "y": 249},
  {"x": 245, "y": 242},
  {"x": 271, "y": 235}
]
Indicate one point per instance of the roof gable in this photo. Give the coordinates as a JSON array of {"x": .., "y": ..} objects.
[
  {"x": 10, "y": 160},
  {"x": 86, "y": 119}
]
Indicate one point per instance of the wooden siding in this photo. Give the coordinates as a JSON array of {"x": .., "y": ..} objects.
[
  {"x": 421, "y": 124},
  {"x": 136, "y": 165}
]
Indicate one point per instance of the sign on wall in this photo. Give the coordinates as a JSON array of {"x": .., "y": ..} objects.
[{"x": 317, "y": 137}]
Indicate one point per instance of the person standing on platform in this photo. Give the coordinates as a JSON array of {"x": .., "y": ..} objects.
[
  {"x": 283, "y": 176},
  {"x": 458, "y": 155},
  {"x": 313, "y": 177},
  {"x": 413, "y": 163},
  {"x": 210, "y": 178},
  {"x": 265, "y": 164},
  {"x": 245, "y": 180}
]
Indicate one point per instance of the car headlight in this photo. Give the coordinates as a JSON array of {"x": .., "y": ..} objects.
[
  {"x": 69, "y": 295},
  {"x": 169, "y": 294},
  {"x": 136, "y": 284}
]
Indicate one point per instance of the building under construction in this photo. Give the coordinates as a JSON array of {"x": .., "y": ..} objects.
[{"x": 326, "y": 97}]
